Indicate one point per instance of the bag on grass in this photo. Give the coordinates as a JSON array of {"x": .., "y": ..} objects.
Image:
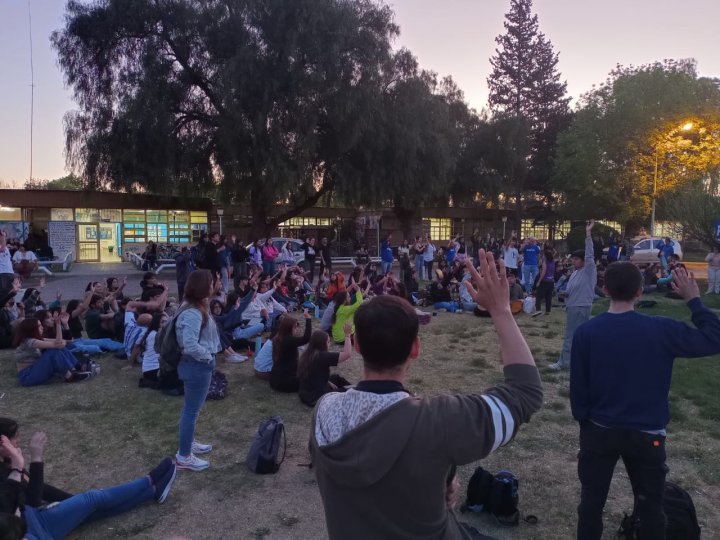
[
  {"x": 529, "y": 304},
  {"x": 263, "y": 457},
  {"x": 218, "y": 385},
  {"x": 496, "y": 494}
]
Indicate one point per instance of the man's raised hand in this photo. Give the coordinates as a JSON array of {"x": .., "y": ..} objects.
[
  {"x": 489, "y": 287},
  {"x": 684, "y": 284}
]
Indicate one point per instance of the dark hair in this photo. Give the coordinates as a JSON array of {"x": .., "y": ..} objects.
[
  {"x": 285, "y": 329},
  {"x": 622, "y": 280},
  {"x": 385, "y": 328},
  {"x": 214, "y": 303},
  {"x": 148, "y": 275},
  {"x": 90, "y": 285},
  {"x": 317, "y": 344},
  {"x": 338, "y": 300},
  {"x": 26, "y": 329},
  {"x": 198, "y": 289},
  {"x": 578, "y": 254},
  {"x": 72, "y": 306},
  {"x": 155, "y": 323},
  {"x": 8, "y": 427},
  {"x": 94, "y": 299},
  {"x": 29, "y": 291},
  {"x": 147, "y": 294},
  {"x": 231, "y": 299},
  {"x": 12, "y": 527},
  {"x": 109, "y": 281},
  {"x": 549, "y": 256}
]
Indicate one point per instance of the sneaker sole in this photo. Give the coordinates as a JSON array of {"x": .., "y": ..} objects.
[
  {"x": 179, "y": 465},
  {"x": 200, "y": 451},
  {"x": 166, "y": 491}
]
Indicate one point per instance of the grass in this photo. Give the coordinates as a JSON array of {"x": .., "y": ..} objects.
[{"x": 108, "y": 430}]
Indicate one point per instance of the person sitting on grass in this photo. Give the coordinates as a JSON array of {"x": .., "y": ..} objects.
[
  {"x": 440, "y": 295},
  {"x": 32, "y": 301},
  {"x": 23, "y": 516},
  {"x": 368, "y": 444},
  {"x": 619, "y": 394},
  {"x": 346, "y": 304},
  {"x": 100, "y": 317},
  {"x": 283, "y": 376},
  {"x": 37, "y": 359},
  {"x": 149, "y": 358},
  {"x": 116, "y": 287},
  {"x": 42, "y": 493},
  {"x": 315, "y": 363}
]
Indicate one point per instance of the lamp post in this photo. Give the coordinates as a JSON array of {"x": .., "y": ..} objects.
[
  {"x": 220, "y": 213},
  {"x": 687, "y": 126},
  {"x": 504, "y": 220}
]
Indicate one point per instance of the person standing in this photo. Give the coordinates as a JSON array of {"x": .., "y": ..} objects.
[
  {"x": 428, "y": 257},
  {"x": 199, "y": 341},
  {"x": 323, "y": 252},
  {"x": 580, "y": 293},
  {"x": 419, "y": 248},
  {"x": 7, "y": 274},
  {"x": 530, "y": 252},
  {"x": 664, "y": 251},
  {"x": 184, "y": 265},
  {"x": 212, "y": 260},
  {"x": 510, "y": 256},
  {"x": 239, "y": 256},
  {"x": 619, "y": 388},
  {"x": 224, "y": 255},
  {"x": 547, "y": 283},
  {"x": 713, "y": 260},
  {"x": 309, "y": 249},
  {"x": 386, "y": 254},
  {"x": 269, "y": 254}
]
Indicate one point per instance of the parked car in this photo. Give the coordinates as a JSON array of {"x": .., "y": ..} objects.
[
  {"x": 646, "y": 249},
  {"x": 295, "y": 246}
]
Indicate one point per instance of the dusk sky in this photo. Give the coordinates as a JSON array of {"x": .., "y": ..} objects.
[{"x": 451, "y": 37}]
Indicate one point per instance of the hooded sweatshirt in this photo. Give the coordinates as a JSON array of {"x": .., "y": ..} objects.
[
  {"x": 383, "y": 457},
  {"x": 581, "y": 285}
]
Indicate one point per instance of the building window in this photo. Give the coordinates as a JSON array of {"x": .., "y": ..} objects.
[
  {"x": 157, "y": 232},
  {"x": 438, "y": 228},
  {"x": 179, "y": 226},
  {"x": 530, "y": 227},
  {"x": 110, "y": 215},
  {"x": 87, "y": 215},
  {"x": 134, "y": 216},
  {"x": 157, "y": 216},
  {"x": 8, "y": 213},
  {"x": 298, "y": 222},
  {"x": 612, "y": 224},
  {"x": 197, "y": 230},
  {"x": 199, "y": 217},
  {"x": 62, "y": 214},
  {"x": 134, "y": 233}
]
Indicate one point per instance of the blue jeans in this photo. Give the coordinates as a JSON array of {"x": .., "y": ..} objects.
[
  {"x": 468, "y": 306},
  {"x": 224, "y": 277},
  {"x": 452, "y": 307},
  {"x": 196, "y": 377},
  {"x": 575, "y": 316},
  {"x": 529, "y": 272},
  {"x": 268, "y": 267},
  {"x": 95, "y": 346},
  {"x": 386, "y": 267},
  {"x": 250, "y": 331},
  {"x": 419, "y": 266},
  {"x": 50, "y": 362},
  {"x": 60, "y": 519}
]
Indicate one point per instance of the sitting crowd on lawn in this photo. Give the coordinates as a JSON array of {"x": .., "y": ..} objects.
[{"x": 368, "y": 491}]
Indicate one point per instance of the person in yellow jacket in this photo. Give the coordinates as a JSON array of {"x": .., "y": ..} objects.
[{"x": 344, "y": 310}]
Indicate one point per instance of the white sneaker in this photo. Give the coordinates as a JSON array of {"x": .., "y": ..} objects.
[
  {"x": 200, "y": 448},
  {"x": 191, "y": 463},
  {"x": 235, "y": 358},
  {"x": 557, "y": 366}
]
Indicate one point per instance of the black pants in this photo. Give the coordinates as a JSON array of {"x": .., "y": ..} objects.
[
  {"x": 310, "y": 269},
  {"x": 323, "y": 266},
  {"x": 544, "y": 292},
  {"x": 644, "y": 458}
]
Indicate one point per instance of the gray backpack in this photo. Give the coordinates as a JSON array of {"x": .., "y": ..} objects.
[
  {"x": 263, "y": 455},
  {"x": 167, "y": 346}
]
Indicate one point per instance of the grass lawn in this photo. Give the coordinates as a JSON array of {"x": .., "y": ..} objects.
[{"x": 108, "y": 430}]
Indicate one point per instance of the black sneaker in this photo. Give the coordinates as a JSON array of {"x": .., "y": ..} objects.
[
  {"x": 160, "y": 470},
  {"x": 162, "y": 488},
  {"x": 78, "y": 376}
]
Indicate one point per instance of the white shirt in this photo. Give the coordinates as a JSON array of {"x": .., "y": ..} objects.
[
  {"x": 150, "y": 359},
  {"x": 511, "y": 258},
  {"x": 6, "y": 262},
  {"x": 27, "y": 256},
  {"x": 429, "y": 253}
]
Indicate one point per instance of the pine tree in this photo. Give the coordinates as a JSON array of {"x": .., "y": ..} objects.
[{"x": 525, "y": 83}]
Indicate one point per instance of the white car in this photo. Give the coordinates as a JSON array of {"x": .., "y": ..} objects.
[
  {"x": 295, "y": 246},
  {"x": 646, "y": 249}
]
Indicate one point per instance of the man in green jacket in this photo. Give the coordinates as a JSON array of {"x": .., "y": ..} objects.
[{"x": 383, "y": 457}]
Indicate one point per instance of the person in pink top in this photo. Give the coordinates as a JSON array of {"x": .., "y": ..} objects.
[{"x": 269, "y": 254}]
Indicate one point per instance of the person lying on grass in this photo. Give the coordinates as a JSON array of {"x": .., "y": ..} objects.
[
  {"x": 23, "y": 516},
  {"x": 385, "y": 459},
  {"x": 37, "y": 358}
]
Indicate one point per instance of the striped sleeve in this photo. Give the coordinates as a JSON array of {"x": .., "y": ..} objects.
[{"x": 502, "y": 421}]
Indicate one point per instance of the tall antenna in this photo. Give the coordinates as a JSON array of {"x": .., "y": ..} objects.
[{"x": 32, "y": 92}]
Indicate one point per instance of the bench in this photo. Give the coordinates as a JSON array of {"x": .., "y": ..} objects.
[
  {"x": 60, "y": 263},
  {"x": 161, "y": 264}
]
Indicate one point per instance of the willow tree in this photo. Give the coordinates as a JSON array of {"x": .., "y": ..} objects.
[{"x": 265, "y": 102}]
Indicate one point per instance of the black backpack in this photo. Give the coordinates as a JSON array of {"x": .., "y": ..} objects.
[
  {"x": 496, "y": 494},
  {"x": 682, "y": 523},
  {"x": 263, "y": 455},
  {"x": 166, "y": 343}
]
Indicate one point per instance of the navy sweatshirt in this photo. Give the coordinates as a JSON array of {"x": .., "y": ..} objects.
[{"x": 621, "y": 365}]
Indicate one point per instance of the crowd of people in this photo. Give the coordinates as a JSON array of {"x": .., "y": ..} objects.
[{"x": 236, "y": 301}]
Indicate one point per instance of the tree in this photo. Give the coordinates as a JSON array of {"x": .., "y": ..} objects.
[
  {"x": 266, "y": 101},
  {"x": 525, "y": 83},
  {"x": 695, "y": 208},
  {"x": 660, "y": 114},
  {"x": 69, "y": 182}
]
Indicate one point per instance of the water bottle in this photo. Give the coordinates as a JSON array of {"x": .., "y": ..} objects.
[
  {"x": 317, "y": 311},
  {"x": 258, "y": 344}
]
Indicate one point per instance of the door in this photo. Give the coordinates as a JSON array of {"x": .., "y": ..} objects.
[
  {"x": 88, "y": 242},
  {"x": 108, "y": 242}
]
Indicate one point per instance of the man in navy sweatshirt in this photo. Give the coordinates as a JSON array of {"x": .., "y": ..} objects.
[{"x": 619, "y": 385}]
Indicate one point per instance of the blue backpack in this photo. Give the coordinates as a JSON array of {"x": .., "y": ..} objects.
[
  {"x": 263, "y": 457},
  {"x": 496, "y": 494}
]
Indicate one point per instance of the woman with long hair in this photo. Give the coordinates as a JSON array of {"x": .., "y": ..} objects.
[
  {"x": 283, "y": 376},
  {"x": 315, "y": 363},
  {"x": 199, "y": 342},
  {"x": 37, "y": 359},
  {"x": 269, "y": 254},
  {"x": 23, "y": 515},
  {"x": 344, "y": 311}
]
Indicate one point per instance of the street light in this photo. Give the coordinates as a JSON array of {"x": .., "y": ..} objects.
[
  {"x": 687, "y": 126},
  {"x": 504, "y": 220},
  {"x": 220, "y": 213}
]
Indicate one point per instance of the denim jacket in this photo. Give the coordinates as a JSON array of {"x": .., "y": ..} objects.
[{"x": 202, "y": 345}]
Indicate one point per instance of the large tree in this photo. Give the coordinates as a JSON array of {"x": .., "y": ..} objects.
[
  {"x": 646, "y": 131},
  {"x": 267, "y": 102},
  {"x": 525, "y": 83}
]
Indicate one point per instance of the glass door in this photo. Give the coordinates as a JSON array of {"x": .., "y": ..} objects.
[
  {"x": 108, "y": 242},
  {"x": 88, "y": 242}
]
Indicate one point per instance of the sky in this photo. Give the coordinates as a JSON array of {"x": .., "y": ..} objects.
[{"x": 451, "y": 37}]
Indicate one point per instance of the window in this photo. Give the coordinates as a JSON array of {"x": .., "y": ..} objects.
[
  {"x": 157, "y": 232},
  {"x": 439, "y": 228},
  {"x": 87, "y": 215},
  {"x": 110, "y": 215},
  {"x": 137, "y": 216},
  {"x": 529, "y": 227},
  {"x": 306, "y": 222},
  {"x": 197, "y": 230},
  {"x": 62, "y": 214},
  {"x": 157, "y": 216},
  {"x": 7, "y": 213},
  {"x": 133, "y": 233},
  {"x": 199, "y": 217},
  {"x": 645, "y": 244}
]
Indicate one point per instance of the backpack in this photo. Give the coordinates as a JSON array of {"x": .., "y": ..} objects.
[
  {"x": 167, "y": 346},
  {"x": 496, "y": 494},
  {"x": 263, "y": 455},
  {"x": 679, "y": 510},
  {"x": 529, "y": 304}
]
